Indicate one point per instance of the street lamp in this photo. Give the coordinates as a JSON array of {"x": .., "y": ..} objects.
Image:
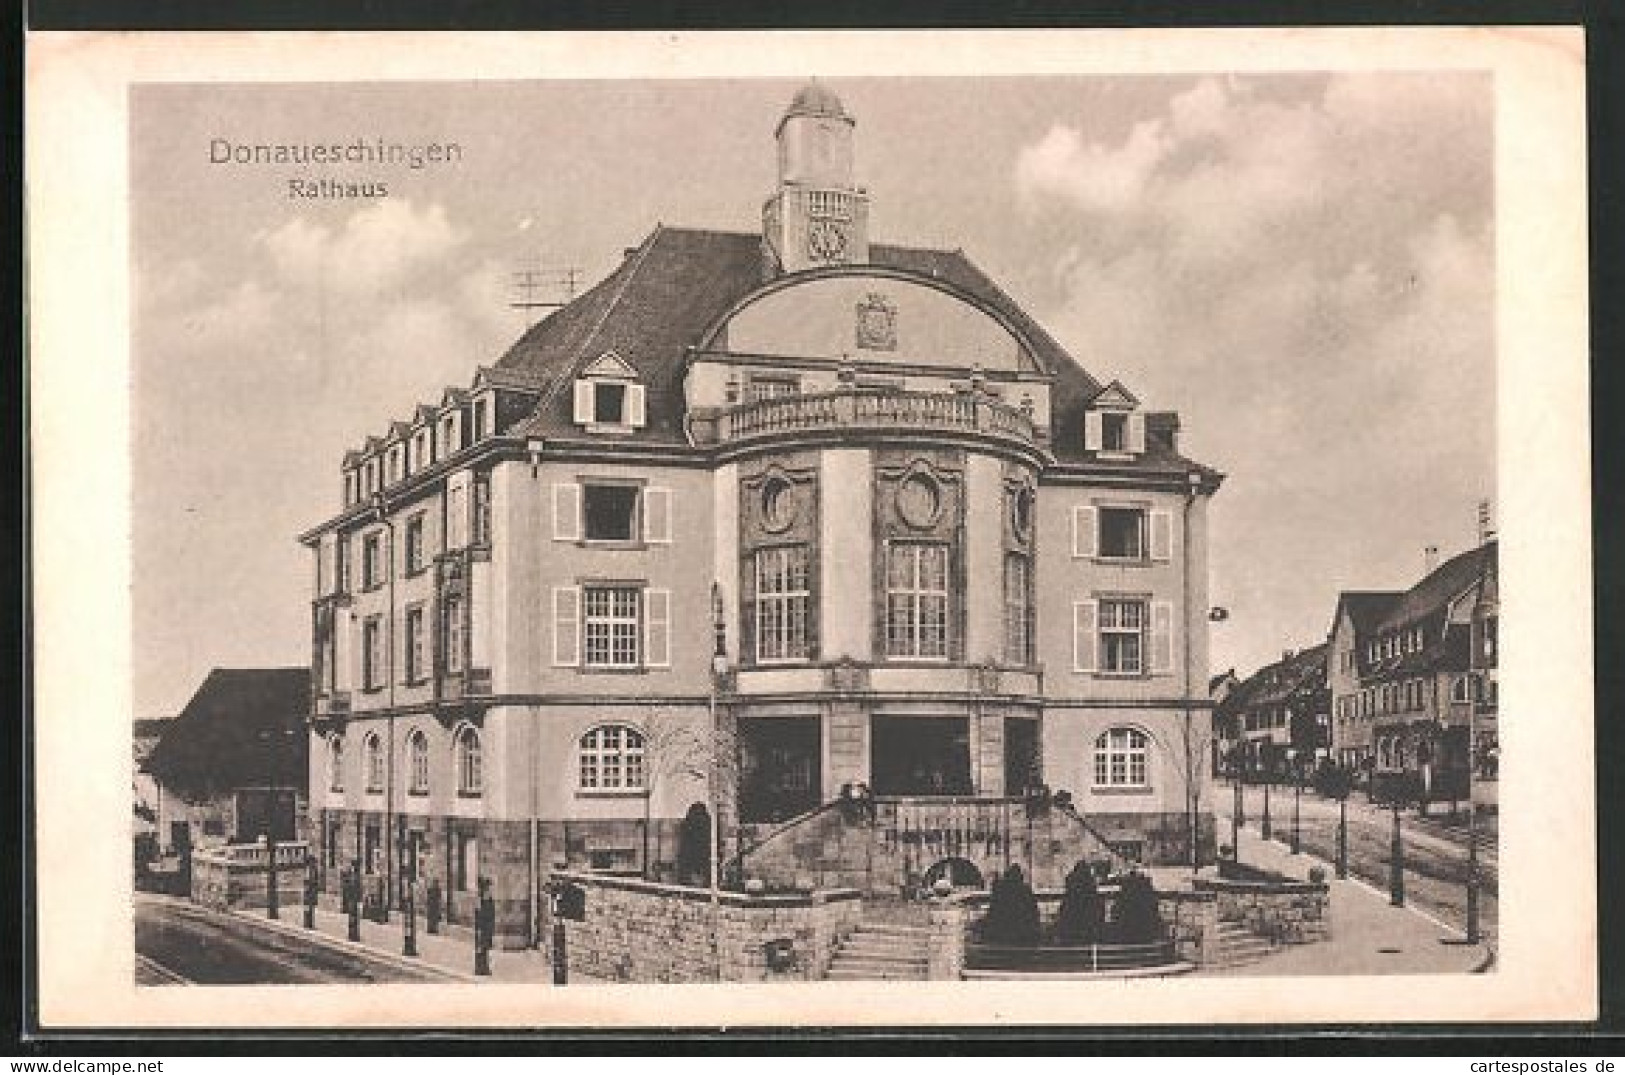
[
  {"x": 1474, "y": 882},
  {"x": 1396, "y": 857},
  {"x": 1235, "y": 814},
  {"x": 1264, "y": 827},
  {"x": 1297, "y": 796},
  {"x": 270, "y": 737}
]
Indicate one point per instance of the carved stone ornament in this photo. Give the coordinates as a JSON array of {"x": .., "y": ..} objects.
[{"x": 877, "y": 323}]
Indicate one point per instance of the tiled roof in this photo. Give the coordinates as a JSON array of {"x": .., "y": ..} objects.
[
  {"x": 1430, "y": 596},
  {"x": 242, "y": 727},
  {"x": 664, "y": 295},
  {"x": 1303, "y": 671},
  {"x": 1366, "y": 607}
]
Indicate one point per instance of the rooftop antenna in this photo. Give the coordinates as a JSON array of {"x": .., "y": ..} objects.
[
  {"x": 533, "y": 283},
  {"x": 1486, "y": 522}
]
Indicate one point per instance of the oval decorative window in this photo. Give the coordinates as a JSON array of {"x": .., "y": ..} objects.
[
  {"x": 779, "y": 504},
  {"x": 919, "y": 501}
]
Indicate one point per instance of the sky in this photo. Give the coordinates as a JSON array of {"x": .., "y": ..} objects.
[{"x": 1301, "y": 266}]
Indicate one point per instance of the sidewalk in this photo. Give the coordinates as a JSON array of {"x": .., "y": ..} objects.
[
  {"x": 451, "y": 951},
  {"x": 1369, "y": 935}
]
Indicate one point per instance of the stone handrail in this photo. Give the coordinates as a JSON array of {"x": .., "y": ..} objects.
[{"x": 857, "y": 408}]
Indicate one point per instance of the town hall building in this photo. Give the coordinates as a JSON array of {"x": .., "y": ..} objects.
[{"x": 759, "y": 524}]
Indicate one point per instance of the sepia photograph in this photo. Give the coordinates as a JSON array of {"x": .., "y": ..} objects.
[{"x": 1021, "y": 530}]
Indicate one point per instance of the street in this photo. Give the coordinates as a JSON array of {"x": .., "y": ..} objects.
[
  {"x": 1435, "y": 852},
  {"x": 178, "y": 943}
]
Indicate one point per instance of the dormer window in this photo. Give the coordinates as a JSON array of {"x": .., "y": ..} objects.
[
  {"x": 1112, "y": 427},
  {"x": 609, "y": 403},
  {"x": 482, "y": 424},
  {"x": 1114, "y": 432},
  {"x": 608, "y": 396}
]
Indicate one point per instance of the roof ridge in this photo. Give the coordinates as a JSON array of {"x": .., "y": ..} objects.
[{"x": 609, "y": 307}]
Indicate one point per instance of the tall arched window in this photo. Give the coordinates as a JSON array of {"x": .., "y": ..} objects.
[
  {"x": 611, "y": 759},
  {"x": 373, "y": 757},
  {"x": 470, "y": 775},
  {"x": 417, "y": 759},
  {"x": 1120, "y": 759},
  {"x": 335, "y": 762}
]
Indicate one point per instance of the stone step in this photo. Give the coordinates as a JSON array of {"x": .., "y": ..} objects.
[
  {"x": 894, "y": 929},
  {"x": 859, "y": 963},
  {"x": 901, "y": 945},
  {"x": 838, "y": 974}
]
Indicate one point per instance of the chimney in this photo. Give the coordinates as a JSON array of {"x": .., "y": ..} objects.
[
  {"x": 1430, "y": 559},
  {"x": 1486, "y": 523}
]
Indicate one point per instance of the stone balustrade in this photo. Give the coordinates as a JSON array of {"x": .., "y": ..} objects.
[
  {"x": 644, "y": 931},
  {"x": 234, "y": 875},
  {"x": 857, "y": 409}
]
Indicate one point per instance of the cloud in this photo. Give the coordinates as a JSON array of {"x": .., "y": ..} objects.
[
  {"x": 1307, "y": 273},
  {"x": 376, "y": 249},
  {"x": 1091, "y": 177}
]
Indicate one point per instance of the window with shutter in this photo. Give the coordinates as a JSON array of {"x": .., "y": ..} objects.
[
  {"x": 1083, "y": 532},
  {"x": 1093, "y": 430},
  {"x": 1162, "y": 640},
  {"x": 657, "y": 628},
  {"x": 566, "y": 626},
  {"x": 657, "y": 515},
  {"x": 584, "y": 401},
  {"x": 1084, "y": 636},
  {"x": 636, "y": 414},
  {"x": 1162, "y": 535},
  {"x": 566, "y": 511},
  {"x": 1136, "y": 433}
]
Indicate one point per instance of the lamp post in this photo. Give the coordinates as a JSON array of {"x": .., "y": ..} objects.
[
  {"x": 1264, "y": 826},
  {"x": 1396, "y": 859},
  {"x": 1235, "y": 813},
  {"x": 270, "y": 737},
  {"x": 1345, "y": 787},
  {"x": 1474, "y": 882},
  {"x": 1297, "y": 798}
]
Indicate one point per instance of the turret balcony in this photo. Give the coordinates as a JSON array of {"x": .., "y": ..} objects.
[{"x": 847, "y": 412}]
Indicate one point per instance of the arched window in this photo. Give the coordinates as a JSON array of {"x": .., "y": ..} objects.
[
  {"x": 611, "y": 759},
  {"x": 374, "y": 759},
  {"x": 1120, "y": 759},
  {"x": 417, "y": 759},
  {"x": 470, "y": 775},
  {"x": 335, "y": 762}
]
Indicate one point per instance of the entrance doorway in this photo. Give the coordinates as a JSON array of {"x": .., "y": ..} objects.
[
  {"x": 780, "y": 770},
  {"x": 920, "y": 756},
  {"x": 1023, "y": 769}
]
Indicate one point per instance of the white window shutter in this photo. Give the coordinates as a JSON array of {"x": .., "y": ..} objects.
[
  {"x": 1162, "y": 535},
  {"x": 566, "y": 626},
  {"x": 636, "y": 409},
  {"x": 584, "y": 401},
  {"x": 1093, "y": 431},
  {"x": 657, "y": 515},
  {"x": 1085, "y": 635},
  {"x": 1136, "y": 433},
  {"x": 1162, "y": 637},
  {"x": 1084, "y": 531},
  {"x": 566, "y": 511},
  {"x": 657, "y": 628}
]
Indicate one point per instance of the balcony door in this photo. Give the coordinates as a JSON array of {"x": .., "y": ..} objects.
[{"x": 920, "y": 756}]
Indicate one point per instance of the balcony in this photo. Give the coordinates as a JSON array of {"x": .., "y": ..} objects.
[{"x": 856, "y": 410}]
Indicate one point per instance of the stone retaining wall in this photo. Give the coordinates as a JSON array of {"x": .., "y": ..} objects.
[
  {"x": 233, "y": 875},
  {"x": 642, "y": 931},
  {"x": 1283, "y": 912},
  {"x": 1192, "y": 920}
]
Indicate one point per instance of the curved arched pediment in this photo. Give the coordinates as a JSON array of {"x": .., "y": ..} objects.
[{"x": 871, "y": 316}]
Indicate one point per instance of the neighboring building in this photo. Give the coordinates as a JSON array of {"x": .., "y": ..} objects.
[
  {"x": 1282, "y": 716},
  {"x": 146, "y": 792},
  {"x": 1354, "y": 625},
  {"x": 234, "y": 760},
  {"x": 784, "y": 512},
  {"x": 1221, "y": 690},
  {"x": 1418, "y": 677}
]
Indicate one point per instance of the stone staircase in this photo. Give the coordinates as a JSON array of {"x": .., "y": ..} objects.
[
  {"x": 881, "y": 951},
  {"x": 1238, "y": 946}
]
